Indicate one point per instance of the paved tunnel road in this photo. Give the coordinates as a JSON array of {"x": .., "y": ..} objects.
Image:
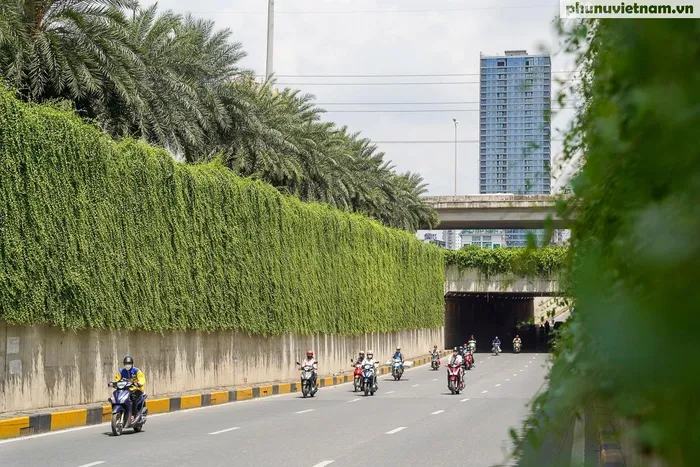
[{"x": 414, "y": 421}]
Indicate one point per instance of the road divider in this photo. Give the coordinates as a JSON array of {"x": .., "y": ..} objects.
[{"x": 60, "y": 420}]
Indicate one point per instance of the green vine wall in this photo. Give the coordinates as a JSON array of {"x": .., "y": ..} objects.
[
  {"x": 544, "y": 262},
  {"x": 100, "y": 234}
]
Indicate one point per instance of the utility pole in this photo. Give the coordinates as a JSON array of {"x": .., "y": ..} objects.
[
  {"x": 270, "y": 36},
  {"x": 456, "y": 123}
]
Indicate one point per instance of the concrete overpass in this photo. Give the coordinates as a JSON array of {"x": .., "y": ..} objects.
[{"x": 495, "y": 211}]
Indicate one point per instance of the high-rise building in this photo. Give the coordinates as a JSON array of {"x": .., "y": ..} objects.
[
  {"x": 453, "y": 239},
  {"x": 515, "y": 128},
  {"x": 484, "y": 238}
]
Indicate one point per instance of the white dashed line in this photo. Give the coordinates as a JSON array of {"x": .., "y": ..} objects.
[
  {"x": 323, "y": 464},
  {"x": 307, "y": 410},
  {"x": 507, "y": 379},
  {"x": 526, "y": 366},
  {"x": 226, "y": 430},
  {"x": 437, "y": 412},
  {"x": 92, "y": 463},
  {"x": 521, "y": 371},
  {"x": 464, "y": 400},
  {"x": 395, "y": 430},
  {"x": 415, "y": 385},
  {"x": 498, "y": 384},
  {"x": 354, "y": 400},
  {"x": 390, "y": 392},
  {"x": 434, "y": 379},
  {"x": 484, "y": 391},
  {"x": 515, "y": 374}
]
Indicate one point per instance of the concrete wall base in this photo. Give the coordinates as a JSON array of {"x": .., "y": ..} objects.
[{"x": 42, "y": 366}]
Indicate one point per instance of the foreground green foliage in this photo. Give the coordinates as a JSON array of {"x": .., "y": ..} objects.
[
  {"x": 632, "y": 342},
  {"x": 100, "y": 234},
  {"x": 175, "y": 81},
  {"x": 543, "y": 262}
]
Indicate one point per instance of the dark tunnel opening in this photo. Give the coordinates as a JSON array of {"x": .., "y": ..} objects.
[{"x": 489, "y": 315}]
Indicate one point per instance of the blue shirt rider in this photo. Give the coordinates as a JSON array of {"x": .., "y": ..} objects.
[
  {"x": 398, "y": 354},
  {"x": 497, "y": 342}
]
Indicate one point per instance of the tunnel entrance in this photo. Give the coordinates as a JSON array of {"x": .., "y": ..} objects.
[{"x": 489, "y": 315}]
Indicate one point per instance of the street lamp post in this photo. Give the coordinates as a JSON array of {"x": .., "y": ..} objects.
[
  {"x": 456, "y": 123},
  {"x": 270, "y": 36}
]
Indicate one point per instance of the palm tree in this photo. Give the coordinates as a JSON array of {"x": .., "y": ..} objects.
[
  {"x": 187, "y": 64},
  {"x": 72, "y": 49}
]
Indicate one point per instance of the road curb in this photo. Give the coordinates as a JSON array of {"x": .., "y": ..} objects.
[
  {"x": 55, "y": 421},
  {"x": 610, "y": 448}
]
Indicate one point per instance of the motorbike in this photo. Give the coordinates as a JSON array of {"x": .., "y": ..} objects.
[
  {"x": 516, "y": 347},
  {"x": 435, "y": 363},
  {"x": 368, "y": 383},
  {"x": 396, "y": 369},
  {"x": 357, "y": 380},
  {"x": 122, "y": 408},
  {"x": 469, "y": 361},
  {"x": 455, "y": 383},
  {"x": 496, "y": 350},
  {"x": 308, "y": 387}
]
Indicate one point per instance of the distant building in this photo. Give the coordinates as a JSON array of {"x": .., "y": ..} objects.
[
  {"x": 484, "y": 238},
  {"x": 453, "y": 239},
  {"x": 515, "y": 128},
  {"x": 432, "y": 238}
]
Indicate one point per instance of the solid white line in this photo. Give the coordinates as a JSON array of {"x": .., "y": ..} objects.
[
  {"x": 464, "y": 400},
  {"x": 354, "y": 400},
  {"x": 578, "y": 449},
  {"x": 304, "y": 411},
  {"x": 437, "y": 412},
  {"x": 498, "y": 384},
  {"x": 414, "y": 385},
  {"x": 93, "y": 463},
  {"x": 484, "y": 392},
  {"x": 390, "y": 392},
  {"x": 323, "y": 464},
  {"x": 395, "y": 430},
  {"x": 226, "y": 430}
]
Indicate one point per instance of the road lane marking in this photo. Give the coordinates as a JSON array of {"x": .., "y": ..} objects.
[
  {"x": 521, "y": 371},
  {"x": 226, "y": 430},
  {"x": 324, "y": 463},
  {"x": 434, "y": 379},
  {"x": 390, "y": 392},
  {"x": 437, "y": 412},
  {"x": 515, "y": 374},
  {"x": 507, "y": 379},
  {"x": 484, "y": 392},
  {"x": 307, "y": 410},
  {"x": 481, "y": 362},
  {"x": 93, "y": 463},
  {"x": 395, "y": 430},
  {"x": 526, "y": 366},
  {"x": 578, "y": 449},
  {"x": 464, "y": 400},
  {"x": 414, "y": 385},
  {"x": 498, "y": 384},
  {"x": 354, "y": 400}
]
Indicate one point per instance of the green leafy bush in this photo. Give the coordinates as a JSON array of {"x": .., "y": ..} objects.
[
  {"x": 545, "y": 261},
  {"x": 100, "y": 234},
  {"x": 631, "y": 344}
]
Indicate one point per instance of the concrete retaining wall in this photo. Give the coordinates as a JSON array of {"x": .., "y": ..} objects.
[
  {"x": 41, "y": 366},
  {"x": 471, "y": 280}
]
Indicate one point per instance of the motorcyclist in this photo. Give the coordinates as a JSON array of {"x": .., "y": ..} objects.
[
  {"x": 398, "y": 354},
  {"x": 311, "y": 361},
  {"x": 360, "y": 358},
  {"x": 517, "y": 341},
  {"x": 497, "y": 343},
  {"x": 472, "y": 342},
  {"x": 435, "y": 353},
  {"x": 456, "y": 359},
  {"x": 133, "y": 374},
  {"x": 370, "y": 360}
]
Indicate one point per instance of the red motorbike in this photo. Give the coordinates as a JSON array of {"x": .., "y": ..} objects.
[
  {"x": 469, "y": 361},
  {"x": 357, "y": 380},
  {"x": 455, "y": 381}
]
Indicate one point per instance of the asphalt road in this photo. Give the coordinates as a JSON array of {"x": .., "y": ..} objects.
[{"x": 412, "y": 422}]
